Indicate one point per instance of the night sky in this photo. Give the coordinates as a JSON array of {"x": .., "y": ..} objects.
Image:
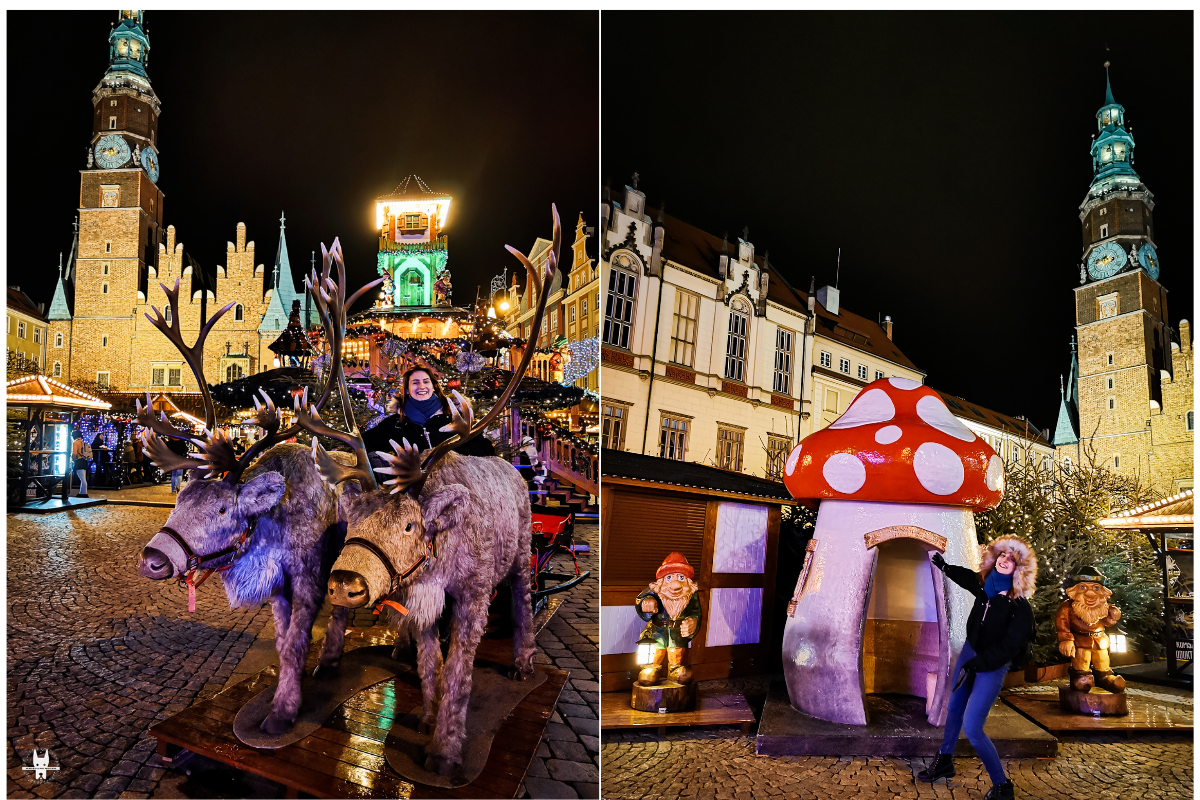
[
  {"x": 946, "y": 154},
  {"x": 316, "y": 115}
]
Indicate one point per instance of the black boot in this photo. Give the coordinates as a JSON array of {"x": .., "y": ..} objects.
[
  {"x": 1000, "y": 791},
  {"x": 942, "y": 767}
]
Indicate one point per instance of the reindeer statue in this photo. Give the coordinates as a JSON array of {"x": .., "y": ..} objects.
[
  {"x": 273, "y": 536},
  {"x": 452, "y": 525}
]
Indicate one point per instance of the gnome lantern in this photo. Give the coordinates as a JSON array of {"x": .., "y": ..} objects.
[
  {"x": 897, "y": 473},
  {"x": 1080, "y": 624},
  {"x": 671, "y": 608}
]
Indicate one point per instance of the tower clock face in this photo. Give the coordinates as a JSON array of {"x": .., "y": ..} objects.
[
  {"x": 112, "y": 152},
  {"x": 1148, "y": 258},
  {"x": 1106, "y": 260},
  {"x": 150, "y": 163}
]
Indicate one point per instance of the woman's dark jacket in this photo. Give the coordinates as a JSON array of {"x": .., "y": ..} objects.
[
  {"x": 423, "y": 437},
  {"x": 997, "y": 628}
]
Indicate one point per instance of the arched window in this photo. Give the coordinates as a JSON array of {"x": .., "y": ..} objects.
[
  {"x": 1066, "y": 465},
  {"x": 233, "y": 371},
  {"x": 58, "y": 340},
  {"x": 239, "y": 313},
  {"x": 104, "y": 342},
  {"x": 167, "y": 315},
  {"x": 735, "y": 345},
  {"x": 58, "y": 369},
  {"x": 622, "y": 289}
]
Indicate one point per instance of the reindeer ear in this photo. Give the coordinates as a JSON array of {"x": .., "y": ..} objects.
[
  {"x": 443, "y": 509},
  {"x": 261, "y": 494}
]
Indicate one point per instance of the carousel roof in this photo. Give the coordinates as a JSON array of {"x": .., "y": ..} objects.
[
  {"x": 38, "y": 390},
  {"x": 1173, "y": 513}
]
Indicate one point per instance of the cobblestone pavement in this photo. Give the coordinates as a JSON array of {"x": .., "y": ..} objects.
[
  {"x": 720, "y": 764},
  {"x": 96, "y": 654}
]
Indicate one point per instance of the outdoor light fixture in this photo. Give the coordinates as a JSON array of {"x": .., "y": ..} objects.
[
  {"x": 504, "y": 305},
  {"x": 276, "y": 361},
  {"x": 491, "y": 313},
  {"x": 1117, "y": 642},
  {"x": 645, "y": 649}
]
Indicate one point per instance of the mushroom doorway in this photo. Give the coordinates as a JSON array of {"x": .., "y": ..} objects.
[{"x": 898, "y": 478}]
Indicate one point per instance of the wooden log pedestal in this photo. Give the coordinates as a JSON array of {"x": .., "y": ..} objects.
[
  {"x": 1095, "y": 703},
  {"x": 663, "y": 698}
]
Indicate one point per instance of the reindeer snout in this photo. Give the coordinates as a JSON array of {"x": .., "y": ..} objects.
[
  {"x": 347, "y": 589},
  {"x": 154, "y": 564}
]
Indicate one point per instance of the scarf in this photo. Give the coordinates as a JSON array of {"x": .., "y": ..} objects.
[
  {"x": 997, "y": 582},
  {"x": 419, "y": 411}
]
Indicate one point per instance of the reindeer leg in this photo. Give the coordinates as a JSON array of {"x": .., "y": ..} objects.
[
  {"x": 429, "y": 667},
  {"x": 335, "y": 643},
  {"x": 444, "y": 751},
  {"x": 523, "y": 638},
  {"x": 293, "y": 651}
]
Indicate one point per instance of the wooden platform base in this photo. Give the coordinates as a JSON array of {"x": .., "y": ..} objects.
[
  {"x": 1094, "y": 703},
  {"x": 1044, "y": 709},
  {"x": 663, "y": 698},
  {"x": 345, "y": 757},
  {"x": 726, "y": 708}
]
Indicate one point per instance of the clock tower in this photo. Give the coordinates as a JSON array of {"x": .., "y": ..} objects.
[
  {"x": 120, "y": 209},
  {"x": 1124, "y": 339}
]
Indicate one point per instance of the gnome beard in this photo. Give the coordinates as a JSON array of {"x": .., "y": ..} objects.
[
  {"x": 674, "y": 594},
  {"x": 1089, "y": 614}
]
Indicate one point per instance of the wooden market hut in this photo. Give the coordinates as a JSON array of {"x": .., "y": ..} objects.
[
  {"x": 1168, "y": 524},
  {"x": 727, "y": 526},
  {"x": 41, "y": 415}
]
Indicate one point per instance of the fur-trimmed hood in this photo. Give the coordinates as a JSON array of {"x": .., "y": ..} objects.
[{"x": 1025, "y": 573}]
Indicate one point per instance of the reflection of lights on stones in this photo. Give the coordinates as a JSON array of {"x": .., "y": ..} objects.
[{"x": 804, "y": 654}]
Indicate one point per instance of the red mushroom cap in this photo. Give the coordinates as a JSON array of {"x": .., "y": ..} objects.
[{"x": 897, "y": 443}]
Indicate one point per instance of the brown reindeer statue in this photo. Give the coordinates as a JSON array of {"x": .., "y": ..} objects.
[
  {"x": 271, "y": 527},
  {"x": 451, "y": 525}
]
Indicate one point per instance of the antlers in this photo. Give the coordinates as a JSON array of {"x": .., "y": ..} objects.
[
  {"x": 330, "y": 298},
  {"x": 409, "y": 473}
]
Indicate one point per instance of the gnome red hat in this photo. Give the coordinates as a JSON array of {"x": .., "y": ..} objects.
[{"x": 675, "y": 563}]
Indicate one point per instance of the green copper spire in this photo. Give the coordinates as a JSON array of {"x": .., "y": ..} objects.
[
  {"x": 1108, "y": 98},
  {"x": 1112, "y": 149},
  {"x": 58, "y": 306},
  {"x": 128, "y": 44},
  {"x": 1068, "y": 407}
]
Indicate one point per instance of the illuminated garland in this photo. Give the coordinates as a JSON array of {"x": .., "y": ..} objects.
[{"x": 585, "y": 357}]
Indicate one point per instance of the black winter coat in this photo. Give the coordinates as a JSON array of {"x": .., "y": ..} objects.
[
  {"x": 997, "y": 628},
  {"x": 423, "y": 437}
]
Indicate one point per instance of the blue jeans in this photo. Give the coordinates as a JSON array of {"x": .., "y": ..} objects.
[
  {"x": 970, "y": 705},
  {"x": 176, "y": 474}
]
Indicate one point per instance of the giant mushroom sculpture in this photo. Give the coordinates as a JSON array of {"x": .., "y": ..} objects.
[{"x": 896, "y": 464}]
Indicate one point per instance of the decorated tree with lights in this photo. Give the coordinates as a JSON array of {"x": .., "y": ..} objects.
[{"x": 1056, "y": 510}]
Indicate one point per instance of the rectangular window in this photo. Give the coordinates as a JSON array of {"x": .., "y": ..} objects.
[
  {"x": 173, "y": 376},
  {"x": 1103, "y": 231},
  {"x": 412, "y": 220},
  {"x": 618, "y": 317},
  {"x": 673, "y": 441},
  {"x": 783, "y": 362},
  {"x": 1112, "y": 403},
  {"x": 1116, "y": 462},
  {"x": 831, "y": 401},
  {"x": 683, "y": 328},
  {"x": 1191, "y": 421},
  {"x": 21, "y": 330},
  {"x": 572, "y": 313},
  {"x": 112, "y": 123},
  {"x": 735, "y": 347},
  {"x": 1110, "y": 383},
  {"x": 104, "y": 269},
  {"x": 844, "y": 365},
  {"x": 102, "y": 380},
  {"x": 826, "y": 360},
  {"x": 1110, "y": 359},
  {"x": 878, "y": 375},
  {"x": 58, "y": 340},
  {"x": 612, "y": 434},
  {"x": 156, "y": 376},
  {"x": 104, "y": 289},
  {"x": 108, "y": 247},
  {"x": 37, "y": 335},
  {"x": 862, "y": 372},
  {"x": 112, "y": 103},
  {"x": 58, "y": 369},
  {"x": 729, "y": 448},
  {"x": 778, "y": 448}
]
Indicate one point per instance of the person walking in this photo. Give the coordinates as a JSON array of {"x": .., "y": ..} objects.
[
  {"x": 81, "y": 454},
  {"x": 998, "y": 629},
  {"x": 178, "y": 447}
]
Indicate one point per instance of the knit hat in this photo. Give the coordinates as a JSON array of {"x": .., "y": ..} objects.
[
  {"x": 675, "y": 563},
  {"x": 1086, "y": 575}
]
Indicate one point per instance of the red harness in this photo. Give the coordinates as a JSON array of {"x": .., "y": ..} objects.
[
  {"x": 395, "y": 576},
  {"x": 196, "y": 562}
]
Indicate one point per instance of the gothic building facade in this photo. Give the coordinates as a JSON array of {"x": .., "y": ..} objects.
[
  {"x": 98, "y": 331},
  {"x": 1127, "y": 402}
]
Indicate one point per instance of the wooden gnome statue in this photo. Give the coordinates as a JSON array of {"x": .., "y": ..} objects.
[
  {"x": 1080, "y": 623},
  {"x": 671, "y": 608}
]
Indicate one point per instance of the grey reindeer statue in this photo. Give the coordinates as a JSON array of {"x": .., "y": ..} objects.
[
  {"x": 271, "y": 527},
  {"x": 451, "y": 525}
]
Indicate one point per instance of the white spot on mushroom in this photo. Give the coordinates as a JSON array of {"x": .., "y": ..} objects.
[
  {"x": 888, "y": 435},
  {"x": 903, "y": 383},
  {"x": 793, "y": 458},
  {"x": 934, "y": 412},
  {"x": 938, "y": 468},
  {"x": 995, "y": 474},
  {"x": 845, "y": 473},
  {"x": 869, "y": 407},
  {"x": 803, "y": 653}
]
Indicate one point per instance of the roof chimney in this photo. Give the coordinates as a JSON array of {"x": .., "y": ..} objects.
[
  {"x": 887, "y": 327},
  {"x": 812, "y": 295},
  {"x": 828, "y": 297}
]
